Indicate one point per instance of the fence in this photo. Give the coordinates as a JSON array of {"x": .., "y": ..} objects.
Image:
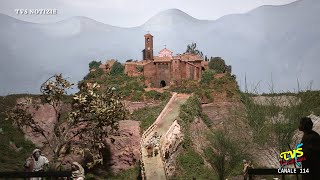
[{"x": 46, "y": 174}]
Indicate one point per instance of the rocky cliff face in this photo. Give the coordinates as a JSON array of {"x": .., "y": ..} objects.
[{"x": 124, "y": 150}]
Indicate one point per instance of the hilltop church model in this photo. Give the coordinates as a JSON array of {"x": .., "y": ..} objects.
[{"x": 165, "y": 69}]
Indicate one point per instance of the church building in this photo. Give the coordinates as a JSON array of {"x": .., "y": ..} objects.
[{"x": 165, "y": 68}]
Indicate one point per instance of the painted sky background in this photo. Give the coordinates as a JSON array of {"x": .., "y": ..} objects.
[{"x": 129, "y": 13}]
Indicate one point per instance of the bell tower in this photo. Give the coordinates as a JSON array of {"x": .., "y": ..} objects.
[{"x": 148, "y": 47}]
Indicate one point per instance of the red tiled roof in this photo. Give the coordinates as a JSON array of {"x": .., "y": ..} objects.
[
  {"x": 190, "y": 57},
  {"x": 166, "y": 50},
  {"x": 160, "y": 59}
]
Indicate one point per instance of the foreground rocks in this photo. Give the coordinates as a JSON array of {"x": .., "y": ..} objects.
[{"x": 123, "y": 149}]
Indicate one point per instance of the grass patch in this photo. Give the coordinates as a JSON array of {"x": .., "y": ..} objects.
[
  {"x": 226, "y": 84},
  {"x": 273, "y": 124},
  {"x": 310, "y": 102},
  {"x": 125, "y": 85},
  {"x": 148, "y": 115},
  {"x": 224, "y": 154},
  {"x": 191, "y": 165},
  {"x": 155, "y": 95}
]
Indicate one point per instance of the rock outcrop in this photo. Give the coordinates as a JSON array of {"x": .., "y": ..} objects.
[
  {"x": 124, "y": 150},
  {"x": 281, "y": 101}
]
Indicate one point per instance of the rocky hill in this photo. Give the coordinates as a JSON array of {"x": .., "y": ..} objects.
[{"x": 278, "y": 41}]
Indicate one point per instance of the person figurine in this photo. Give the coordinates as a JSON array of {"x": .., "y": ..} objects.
[
  {"x": 246, "y": 166},
  {"x": 36, "y": 162},
  {"x": 155, "y": 134},
  {"x": 77, "y": 171},
  {"x": 150, "y": 150},
  {"x": 311, "y": 149},
  {"x": 156, "y": 150}
]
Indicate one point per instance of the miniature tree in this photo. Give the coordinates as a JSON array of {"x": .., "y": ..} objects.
[
  {"x": 93, "y": 117},
  {"x": 192, "y": 48}
]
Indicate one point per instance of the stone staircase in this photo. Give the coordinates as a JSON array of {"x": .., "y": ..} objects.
[{"x": 152, "y": 168}]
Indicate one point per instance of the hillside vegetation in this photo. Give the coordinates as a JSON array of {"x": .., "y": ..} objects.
[
  {"x": 131, "y": 88},
  {"x": 9, "y": 158},
  {"x": 268, "y": 125},
  {"x": 276, "y": 120}
]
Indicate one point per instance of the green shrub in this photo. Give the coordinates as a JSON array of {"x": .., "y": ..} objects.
[
  {"x": 137, "y": 95},
  {"x": 125, "y": 92},
  {"x": 116, "y": 69},
  {"x": 310, "y": 101},
  {"x": 217, "y": 64},
  {"x": 94, "y": 74},
  {"x": 192, "y": 166},
  {"x": 155, "y": 95},
  {"x": 190, "y": 110},
  {"x": 223, "y": 154},
  {"x": 134, "y": 85},
  {"x": 94, "y": 64},
  {"x": 148, "y": 115},
  {"x": 207, "y": 76},
  {"x": 189, "y": 162}
]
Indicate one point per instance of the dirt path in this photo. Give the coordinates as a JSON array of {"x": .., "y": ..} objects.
[{"x": 153, "y": 166}]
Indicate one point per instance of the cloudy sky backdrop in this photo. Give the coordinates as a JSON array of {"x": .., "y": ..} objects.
[{"x": 129, "y": 13}]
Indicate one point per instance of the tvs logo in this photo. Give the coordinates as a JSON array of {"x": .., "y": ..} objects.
[{"x": 292, "y": 157}]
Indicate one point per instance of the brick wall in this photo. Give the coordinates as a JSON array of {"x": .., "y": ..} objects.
[
  {"x": 130, "y": 69},
  {"x": 163, "y": 73},
  {"x": 149, "y": 72}
]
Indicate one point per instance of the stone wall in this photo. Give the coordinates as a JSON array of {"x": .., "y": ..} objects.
[
  {"x": 149, "y": 72},
  {"x": 176, "y": 70},
  {"x": 172, "y": 72},
  {"x": 170, "y": 143},
  {"x": 130, "y": 69},
  {"x": 163, "y": 73}
]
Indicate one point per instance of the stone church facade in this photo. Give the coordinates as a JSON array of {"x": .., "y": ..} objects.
[{"x": 165, "y": 68}]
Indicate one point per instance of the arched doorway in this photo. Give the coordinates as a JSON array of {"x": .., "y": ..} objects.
[{"x": 163, "y": 84}]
